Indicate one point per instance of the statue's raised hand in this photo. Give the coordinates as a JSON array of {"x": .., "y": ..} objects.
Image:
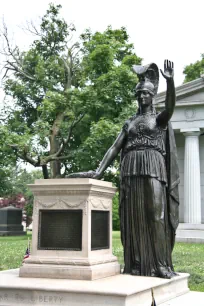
[{"x": 168, "y": 72}]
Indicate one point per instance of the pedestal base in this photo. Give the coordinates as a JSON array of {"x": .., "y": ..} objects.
[
  {"x": 120, "y": 290},
  {"x": 70, "y": 271}
]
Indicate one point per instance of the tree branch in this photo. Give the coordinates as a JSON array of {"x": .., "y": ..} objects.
[
  {"x": 68, "y": 75},
  {"x": 65, "y": 142},
  {"x": 56, "y": 156},
  {"x": 14, "y": 54},
  {"x": 45, "y": 172},
  {"x": 32, "y": 29},
  {"x": 17, "y": 69},
  {"x": 56, "y": 125},
  {"x": 24, "y": 155}
]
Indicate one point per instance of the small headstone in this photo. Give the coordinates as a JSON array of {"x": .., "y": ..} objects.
[{"x": 11, "y": 221}]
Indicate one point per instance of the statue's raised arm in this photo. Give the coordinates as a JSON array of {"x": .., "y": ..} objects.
[{"x": 167, "y": 113}]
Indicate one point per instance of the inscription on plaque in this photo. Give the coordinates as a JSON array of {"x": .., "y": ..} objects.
[
  {"x": 60, "y": 230},
  {"x": 99, "y": 230}
]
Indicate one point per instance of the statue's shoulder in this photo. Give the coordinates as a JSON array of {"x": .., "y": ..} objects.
[
  {"x": 133, "y": 117},
  {"x": 128, "y": 121}
]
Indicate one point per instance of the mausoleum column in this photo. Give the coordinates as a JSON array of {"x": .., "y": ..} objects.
[{"x": 192, "y": 192}]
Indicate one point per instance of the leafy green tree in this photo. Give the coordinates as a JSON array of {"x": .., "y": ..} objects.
[
  {"x": 7, "y": 164},
  {"x": 69, "y": 98},
  {"x": 20, "y": 180},
  {"x": 5, "y": 183},
  {"x": 194, "y": 70}
]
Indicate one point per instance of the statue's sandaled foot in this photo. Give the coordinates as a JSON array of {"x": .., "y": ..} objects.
[
  {"x": 164, "y": 272},
  {"x": 135, "y": 272},
  {"x": 153, "y": 273},
  {"x": 173, "y": 274}
]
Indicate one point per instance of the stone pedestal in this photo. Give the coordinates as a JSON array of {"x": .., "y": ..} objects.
[
  {"x": 72, "y": 230},
  {"x": 192, "y": 193},
  {"x": 10, "y": 221},
  {"x": 118, "y": 290}
]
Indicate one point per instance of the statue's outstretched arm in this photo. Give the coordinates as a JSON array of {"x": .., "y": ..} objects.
[
  {"x": 167, "y": 113},
  {"x": 110, "y": 155},
  {"x": 107, "y": 160}
]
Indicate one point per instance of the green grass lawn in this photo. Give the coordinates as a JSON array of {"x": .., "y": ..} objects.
[
  {"x": 12, "y": 250},
  {"x": 187, "y": 258}
]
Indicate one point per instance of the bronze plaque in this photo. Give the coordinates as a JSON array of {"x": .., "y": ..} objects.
[
  {"x": 60, "y": 230},
  {"x": 99, "y": 229}
]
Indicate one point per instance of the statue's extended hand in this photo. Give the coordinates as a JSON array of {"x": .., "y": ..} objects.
[
  {"x": 168, "y": 72},
  {"x": 89, "y": 174},
  {"x": 97, "y": 175}
]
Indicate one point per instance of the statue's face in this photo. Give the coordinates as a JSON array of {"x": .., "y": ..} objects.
[{"x": 144, "y": 98}]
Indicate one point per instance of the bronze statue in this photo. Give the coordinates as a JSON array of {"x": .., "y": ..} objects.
[{"x": 149, "y": 178}]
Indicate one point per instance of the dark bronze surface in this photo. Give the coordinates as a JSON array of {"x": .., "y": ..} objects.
[
  {"x": 60, "y": 230},
  {"x": 99, "y": 230},
  {"x": 149, "y": 178}
]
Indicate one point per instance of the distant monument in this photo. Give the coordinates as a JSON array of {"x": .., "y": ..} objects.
[{"x": 11, "y": 221}]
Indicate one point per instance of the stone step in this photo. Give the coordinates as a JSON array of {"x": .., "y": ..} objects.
[
  {"x": 120, "y": 290},
  {"x": 192, "y": 233}
]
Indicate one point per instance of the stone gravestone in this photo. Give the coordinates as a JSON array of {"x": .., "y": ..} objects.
[
  {"x": 11, "y": 221},
  {"x": 72, "y": 230}
]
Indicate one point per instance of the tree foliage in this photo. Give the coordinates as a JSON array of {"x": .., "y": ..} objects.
[
  {"x": 70, "y": 99},
  {"x": 19, "y": 193},
  {"x": 7, "y": 164},
  {"x": 194, "y": 70},
  {"x": 20, "y": 181}
]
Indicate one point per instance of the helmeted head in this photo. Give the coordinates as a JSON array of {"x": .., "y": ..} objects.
[
  {"x": 147, "y": 87},
  {"x": 148, "y": 77},
  {"x": 144, "y": 92}
]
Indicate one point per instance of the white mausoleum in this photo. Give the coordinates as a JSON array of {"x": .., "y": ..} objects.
[{"x": 188, "y": 125}]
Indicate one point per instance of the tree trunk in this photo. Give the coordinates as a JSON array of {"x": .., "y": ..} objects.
[
  {"x": 45, "y": 172},
  {"x": 56, "y": 164}
]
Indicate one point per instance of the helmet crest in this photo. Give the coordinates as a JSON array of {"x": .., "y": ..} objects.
[{"x": 148, "y": 78}]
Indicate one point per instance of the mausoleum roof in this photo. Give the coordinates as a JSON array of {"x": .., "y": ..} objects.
[{"x": 191, "y": 93}]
